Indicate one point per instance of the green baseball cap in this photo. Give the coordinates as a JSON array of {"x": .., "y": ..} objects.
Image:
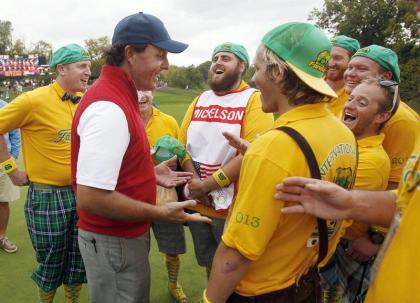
[
  {"x": 350, "y": 44},
  {"x": 305, "y": 49},
  {"x": 69, "y": 53},
  {"x": 166, "y": 147},
  {"x": 235, "y": 49},
  {"x": 385, "y": 57}
]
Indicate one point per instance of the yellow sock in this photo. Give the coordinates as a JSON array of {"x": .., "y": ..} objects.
[
  {"x": 72, "y": 293},
  {"x": 47, "y": 296},
  {"x": 172, "y": 265}
]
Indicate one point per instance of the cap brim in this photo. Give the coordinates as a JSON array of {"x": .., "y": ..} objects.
[
  {"x": 315, "y": 83},
  {"x": 171, "y": 46}
]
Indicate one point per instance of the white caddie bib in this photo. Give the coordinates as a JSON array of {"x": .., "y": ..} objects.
[{"x": 206, "y": 144}]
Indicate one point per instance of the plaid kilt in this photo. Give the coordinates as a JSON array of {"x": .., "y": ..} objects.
[
  {"x": 51, "y": 219},
  {"x": 345, "y": 273}
]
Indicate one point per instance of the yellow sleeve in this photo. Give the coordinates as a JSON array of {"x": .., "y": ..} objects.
[
  {"x": 186, "y": 122},
  {"x": 256, "y": 122},
  {"x": 16, "y": 114},
  {"x": 399, "y": 140},
  {"x": 255, "y": 215},
  {"x": 173, "y": 126}
]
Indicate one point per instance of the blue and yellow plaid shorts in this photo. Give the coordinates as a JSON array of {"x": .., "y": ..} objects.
[{"x": 51, "y": 218}]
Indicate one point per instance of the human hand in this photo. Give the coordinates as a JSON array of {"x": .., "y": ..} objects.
[
  {"x": 197, "y": 188},
  {"x": 237, "y": 142},
  {"x": 194, "y": 190},
  {"x": 174, "y": 212},
  {"x": 169, "y": 178},
  {"x": 18, "y": 177},
  {"x": 362, "y": 249},
  {"x": 316, "y": 197}
]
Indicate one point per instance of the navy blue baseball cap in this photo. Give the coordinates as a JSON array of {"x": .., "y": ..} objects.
[{"x": 145, "y": 29}]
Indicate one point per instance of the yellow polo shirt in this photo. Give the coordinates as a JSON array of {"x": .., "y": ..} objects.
[
  {"x": 45, "y": 123},
  {"x": 336, "y": 105},
  {"x": 400, "y": 132},
  {"x": 281, "y": 246},
  {"x": 398, "y": 276},
  {"x": 161, "y": 124},
  {"x": 372, "y": 174},
  {"x": 255, "y": 123}
]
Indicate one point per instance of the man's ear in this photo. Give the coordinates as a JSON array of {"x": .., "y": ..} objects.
[
  {"x": 242, "y": 67},
  {"x": 278, "y": 75},
  {"x": 387, "y": 75},
  {"x": 60, "y": 70},
  {"x": 381, "y": 118}
]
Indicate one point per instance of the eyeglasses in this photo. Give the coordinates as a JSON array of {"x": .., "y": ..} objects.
[{"x": 390, "y": 83}]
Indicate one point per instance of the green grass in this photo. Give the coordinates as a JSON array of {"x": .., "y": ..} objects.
[
  {"x": 16, "y": 286},
  {"x": 175, "y": 101}
]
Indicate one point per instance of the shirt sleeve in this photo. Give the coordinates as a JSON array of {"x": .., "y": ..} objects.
[
  {"x": 16, "y": 114},
  {"x": 256, "y": 122},
  {"x": 104, "y": 138},
  {"x": 255, "y": 214},
  {"x": 186, "y": 122}
]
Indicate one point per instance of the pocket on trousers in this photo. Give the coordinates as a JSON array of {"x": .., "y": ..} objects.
[{"x": 114, "y": 253}]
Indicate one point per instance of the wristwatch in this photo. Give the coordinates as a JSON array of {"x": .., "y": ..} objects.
[{"x": 376, "y": 236}]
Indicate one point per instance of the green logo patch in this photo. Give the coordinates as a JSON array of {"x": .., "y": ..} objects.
[
  {"x": 343, "y": 177},
  {"x": 321, "y": 61}
]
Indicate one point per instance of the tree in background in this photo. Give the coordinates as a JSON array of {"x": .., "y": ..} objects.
[
  {"x": 43, "y": 49},
  {"x": 6, "y": 30},
  {"x": 390, "y": 23},
  {"x": 96, "y": 49},
  {"x": 18, "y": 48}
]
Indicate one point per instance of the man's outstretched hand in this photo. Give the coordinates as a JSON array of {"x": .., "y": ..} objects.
[
  {"x": 169, "y": 178},
  {"x": 174, "y": 212},
  {"x": 319, "y": 198}
]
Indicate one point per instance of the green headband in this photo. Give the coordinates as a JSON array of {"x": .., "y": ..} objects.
[
  {"x": 350, "y": 44},
  {"x": 69, "y": 54},
  {"x": 235, "y": 49},
  {"x": 385, "y": 57}
]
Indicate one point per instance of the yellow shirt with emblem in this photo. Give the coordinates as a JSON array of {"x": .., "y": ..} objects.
[
  {"x": 255, "y": 123},
  {"x": 398, "y": 276},
  {"x": 161, "y": 124},
  {"x": 372, "y": 174},
  {"x": 45, "y": 123},
  {"x": 336, "y": 105},
  {"x": 400, "y": 133},
  {"x": 283, "y": 246}
]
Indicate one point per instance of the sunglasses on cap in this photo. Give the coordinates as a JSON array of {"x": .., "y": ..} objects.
[{"x": 387, "y": 84}]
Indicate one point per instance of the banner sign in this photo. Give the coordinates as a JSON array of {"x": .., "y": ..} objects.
[{"x": 19, "y": 66}]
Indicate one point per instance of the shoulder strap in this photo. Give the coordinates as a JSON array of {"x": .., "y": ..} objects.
[{"x": 314, "y": 169}]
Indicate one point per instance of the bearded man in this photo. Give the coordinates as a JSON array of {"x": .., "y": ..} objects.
[{"x": 233, "y": 106}]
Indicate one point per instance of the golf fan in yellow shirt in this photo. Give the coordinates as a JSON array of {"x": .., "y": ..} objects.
[
  {"x": 44, "y": 116},
  {"x": 265, "y": 256}
]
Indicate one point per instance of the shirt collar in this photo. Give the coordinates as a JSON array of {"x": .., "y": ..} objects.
[
  {"x": 307, "y": 111},
  {"x": 60, "y": 91},
  {"x": 371, "y": 141}
]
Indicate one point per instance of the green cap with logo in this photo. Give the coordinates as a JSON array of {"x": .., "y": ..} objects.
[
  {"x": 385, "y": 57},
  {"x": 69, "y": 53},
  {"x": 350, "y": 44},
  {"x": 235, "y": 49},
  {"x": 166, "y": 147},
  {"x": 305, "y": 49}
]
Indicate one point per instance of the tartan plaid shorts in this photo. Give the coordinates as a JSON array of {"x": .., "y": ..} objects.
[{"x": 51, "y": 219}]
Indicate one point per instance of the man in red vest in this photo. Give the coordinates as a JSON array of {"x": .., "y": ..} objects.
[{"x": 112, "y": 171}]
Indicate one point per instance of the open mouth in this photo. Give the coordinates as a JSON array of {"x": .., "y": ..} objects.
[
  {"x": 219, "y": 71},
  {"x": 348, "y": 117}
]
